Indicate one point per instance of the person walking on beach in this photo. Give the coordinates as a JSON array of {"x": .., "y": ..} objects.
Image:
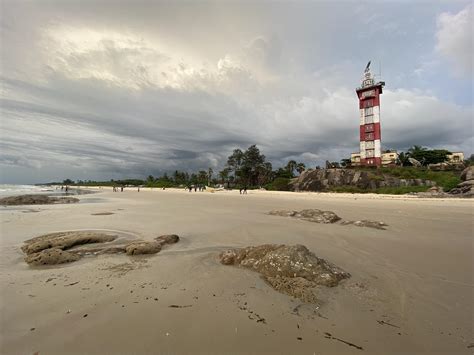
[
  {"x": 245, "y": 190},
  {"x": 138, "y": 188},
  {"x": 121, "y": 188}
]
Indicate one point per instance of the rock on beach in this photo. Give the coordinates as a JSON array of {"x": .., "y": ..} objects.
[{"x": 290, "y": 269}]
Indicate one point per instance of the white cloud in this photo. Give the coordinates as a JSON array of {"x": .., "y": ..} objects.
[{"x": 455, "y": 39}]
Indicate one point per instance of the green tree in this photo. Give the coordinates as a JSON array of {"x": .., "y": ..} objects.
[
  {"x": 300, "y": 167},
  {"x": 403, "y": 159},
  {"x": 426, "y": 156},
  {"x": 253, "y": 163},
  {"x": 234, "y": 161},
  {"x": 224, "y": 175},
  {"x": 346, "y": 163},
  {"x": 202, "y": 177},
  {"x": 291, "y": 166}
]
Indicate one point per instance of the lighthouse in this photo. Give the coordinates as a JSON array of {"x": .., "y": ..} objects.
[{"x": 369, "y": 110}]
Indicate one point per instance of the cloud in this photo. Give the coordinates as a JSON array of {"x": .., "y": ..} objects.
[
  {"x": 98, "y": 94},
  {"x": 455, "y": 39}
]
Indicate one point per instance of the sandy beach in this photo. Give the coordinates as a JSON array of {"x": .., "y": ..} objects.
[{"x": 411, "y": 289}]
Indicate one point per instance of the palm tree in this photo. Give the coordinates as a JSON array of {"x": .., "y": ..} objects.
[
  {"x": 202, "y": 176},
  {"x": 209, "y": 176},
  {"x": 224, "y": 175}
]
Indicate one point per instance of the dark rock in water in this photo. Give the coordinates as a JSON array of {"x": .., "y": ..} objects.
[
  {"x": 293, "y": 270},
  {"x": 51, "y": 256},
  {"x": 141, "y": 247},
  {"x": 35, "y": 200},
  {"x": 64, "y": 240},
  {"x": 366, "y": 223},
  {"x": 312, "y": 215}
]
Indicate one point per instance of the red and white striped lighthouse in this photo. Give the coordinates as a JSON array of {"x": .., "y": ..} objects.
[{"x": 369, "y": 107}]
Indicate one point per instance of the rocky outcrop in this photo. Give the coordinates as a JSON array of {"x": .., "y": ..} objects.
[
  {"x": 319, "y": 216},
  {"x": 325, "y": 179},
  {"x": 290, "y": 269},
  {"x": 35, "y": 200},
  {"x": 466, "y": 187},
  {"x": 64, "y": 247},
  {"x": 468, "y": 173}
]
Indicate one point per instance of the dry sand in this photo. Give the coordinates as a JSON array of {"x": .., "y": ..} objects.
[{"x": 411, "y": 290}]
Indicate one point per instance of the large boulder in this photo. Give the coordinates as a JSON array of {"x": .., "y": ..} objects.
[
  {"x": 466, "y": 187},
  {"x": 468, "y": 173},
  {"x": 291, "y": 269}
]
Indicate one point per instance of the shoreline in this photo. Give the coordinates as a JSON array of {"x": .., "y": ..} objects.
[{"x": 343, "y": 195}]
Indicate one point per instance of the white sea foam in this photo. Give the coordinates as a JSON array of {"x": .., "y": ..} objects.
[{"x": 12, "y": 190}]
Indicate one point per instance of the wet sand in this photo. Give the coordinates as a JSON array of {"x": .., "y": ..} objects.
[{"x": 411, "y": 290}]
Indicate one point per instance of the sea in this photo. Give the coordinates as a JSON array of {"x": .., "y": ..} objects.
[{"x": 13, "y": 190}]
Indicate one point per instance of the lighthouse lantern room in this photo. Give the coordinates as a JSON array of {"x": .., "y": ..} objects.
[{"x": 369, "y": 108}]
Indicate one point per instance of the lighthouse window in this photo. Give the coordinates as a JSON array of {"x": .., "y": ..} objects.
[
  {"x": 368, "y": 103},
  {"x": 369, "y": 136},
  {"x": 368, "y": 111}
]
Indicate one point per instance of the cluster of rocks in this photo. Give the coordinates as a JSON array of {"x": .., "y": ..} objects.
[
  {"x": 35, "y": 200},
  {"x": 466, "y": 187},
  {"x": 463, "y": 189},
  {"x": 290, "y": 269},
  {"x": 319, "y": 216},
  {"x": 66, "y": 247},
  {"x": 325, "y": 179}
]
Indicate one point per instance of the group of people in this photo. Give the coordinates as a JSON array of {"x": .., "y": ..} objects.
[
  {"x": 196, "y": 188},
  {"x": 243, "y": 190},
  {"x": 115, "y": 189}
]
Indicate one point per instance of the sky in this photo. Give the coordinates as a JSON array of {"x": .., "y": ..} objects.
[{"x": 123, "y": 89}]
